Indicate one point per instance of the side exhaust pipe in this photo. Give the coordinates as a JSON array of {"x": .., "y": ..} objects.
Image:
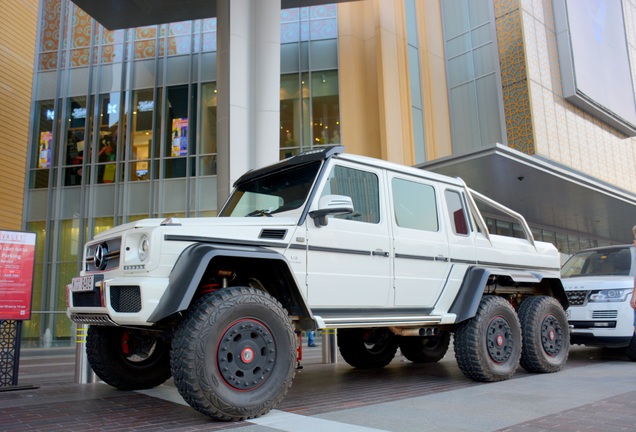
[{"x": 421, "y": 332}]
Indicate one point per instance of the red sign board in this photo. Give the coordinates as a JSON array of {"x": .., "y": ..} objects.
[{"x": 17, "y": 258}]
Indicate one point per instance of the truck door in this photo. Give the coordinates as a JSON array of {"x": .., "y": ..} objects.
[
  {"x": 419, "y": 240},
  {"x": 348, "y": 260}
]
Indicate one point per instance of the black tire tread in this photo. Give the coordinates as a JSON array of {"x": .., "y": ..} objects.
[
  {"x": 533, "y": 357},
  {"x": 354, "y": 352},
  {"x": 415, "y": 349},
  {"x": 186, "y": 355},
  {"x": 469, "y": 339},
  {"x": 107, "y": 361}
]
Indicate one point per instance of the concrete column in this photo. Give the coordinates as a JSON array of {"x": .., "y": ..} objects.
[{"x": 248, "y": 83}]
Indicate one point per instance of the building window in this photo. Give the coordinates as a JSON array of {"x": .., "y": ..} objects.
[
  {"x": 207, "y": 150},
  {"x": 179, "y": 123},
  {"x": 44, "y": 153},
  {"x": 75, "y": 141},
  {"x": 142, "y": 149},
  {"x": 309, "y": 111}
]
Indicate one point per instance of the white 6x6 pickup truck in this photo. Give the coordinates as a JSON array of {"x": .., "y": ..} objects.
[{"x": 389, "y": 256}]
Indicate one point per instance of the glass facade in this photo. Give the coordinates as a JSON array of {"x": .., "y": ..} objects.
[
  {"x": 125, "y": 128},
  {"x": 472, "y": 69}
]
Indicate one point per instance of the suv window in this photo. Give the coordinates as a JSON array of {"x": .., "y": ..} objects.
[
  {"x": 414, "y": 205},
  {"x": 361, "y": 186},
  {"x": 457, "y": 212},
  {"x": 606, "y": 262}
]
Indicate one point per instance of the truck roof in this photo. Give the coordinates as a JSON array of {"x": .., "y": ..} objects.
[{"x": 324, "y": 153}]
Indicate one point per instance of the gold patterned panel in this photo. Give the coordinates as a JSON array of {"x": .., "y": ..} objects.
[{"x": 517, "y": 107}]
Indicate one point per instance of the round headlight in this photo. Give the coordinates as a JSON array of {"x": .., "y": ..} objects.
[{"x": 144, "y": 248}]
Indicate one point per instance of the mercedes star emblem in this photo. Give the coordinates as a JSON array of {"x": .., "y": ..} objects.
[{"x": 100, "y": 256}]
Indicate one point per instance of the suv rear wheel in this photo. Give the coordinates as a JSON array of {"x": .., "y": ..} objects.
[
  {"x": 428, "y": 349},
  {"x": 545, "y": 335},
  {"x": 367, "y": 348}
]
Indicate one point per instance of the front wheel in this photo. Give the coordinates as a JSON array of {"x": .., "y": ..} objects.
[
  {"x": 128, "y": 359},
  {"x": 546, "y": 342},
  {"x": 488, "y": 346},
  {"x": 367, "y": 348},
  {"x": 234, "y": 354}
]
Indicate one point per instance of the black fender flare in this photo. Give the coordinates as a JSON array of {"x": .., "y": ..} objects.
[
  {"x": 476, "y": 278},
  {"x": 191, "y": 266}
]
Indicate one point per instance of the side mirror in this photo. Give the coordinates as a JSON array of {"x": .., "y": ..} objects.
[{"x": 331, "y": 205}]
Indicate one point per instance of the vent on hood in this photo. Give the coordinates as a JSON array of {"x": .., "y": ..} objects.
[{"x": 273, "y": 234}]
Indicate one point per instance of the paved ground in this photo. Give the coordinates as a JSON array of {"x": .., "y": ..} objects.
[{"x": 595, "y": 392}]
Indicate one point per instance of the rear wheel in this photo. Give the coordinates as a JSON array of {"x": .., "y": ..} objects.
[
  {"x": 428, "y": 349},
  {"x": 128, "y": 359},
  {"x": 234, "y": 355},
  {"x": 488, "y": 346},
  {"x": 367, "y": 348},
  {"x": 546, "y": 342}
]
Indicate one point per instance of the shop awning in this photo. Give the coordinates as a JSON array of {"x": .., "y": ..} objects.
[
  {"x": 546, "y": 193},
  {"x": 120, "y": 14}
]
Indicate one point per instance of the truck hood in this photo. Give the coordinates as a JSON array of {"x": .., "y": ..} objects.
[
  {"x": 203, "y": 223},
  {"x": 597, "y": 282}
]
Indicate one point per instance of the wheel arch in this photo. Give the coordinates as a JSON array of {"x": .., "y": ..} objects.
[
  {"x": 195, "y": 263},
  {"x": 476, "y": 280}
]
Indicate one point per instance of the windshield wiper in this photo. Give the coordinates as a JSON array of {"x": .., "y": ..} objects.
[{"x": 264, "y": 212}]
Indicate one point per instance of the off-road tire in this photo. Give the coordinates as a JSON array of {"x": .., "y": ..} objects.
[
  {"x": 367, "y": 348},
  {"x": 234, "y": 354},
  {"x": 630, "y": 350},
  {"x": 488, "y": 346},
  {"x": 428, "y": 349},
  {"x": 127, "y": 359},
  {"x": 546, "y": 339}
]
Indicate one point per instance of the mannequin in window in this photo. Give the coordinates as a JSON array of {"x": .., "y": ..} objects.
[
  {"x": 289, "y": 141},
  {"x": 336, "y": 138}
]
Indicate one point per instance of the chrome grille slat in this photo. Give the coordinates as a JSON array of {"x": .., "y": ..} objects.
[
  {"x": 111, "y": 258},
  {"x": 577, "y": 298}
]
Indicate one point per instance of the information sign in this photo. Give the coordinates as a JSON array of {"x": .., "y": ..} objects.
[{"x": 17, "y": 258}]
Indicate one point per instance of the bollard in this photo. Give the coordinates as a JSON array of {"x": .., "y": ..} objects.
[
  {"x": 83, "y": 372},
  {"x": 329, "y": 346}
]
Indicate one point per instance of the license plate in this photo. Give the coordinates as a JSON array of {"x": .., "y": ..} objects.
[
  {"x": 83, "y": 283},
  {"x": 567, "y": 313}
]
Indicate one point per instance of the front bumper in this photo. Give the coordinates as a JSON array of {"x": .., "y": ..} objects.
[
  {"x": 117, "y": 301},
  {"x": 601, "y": 324}
]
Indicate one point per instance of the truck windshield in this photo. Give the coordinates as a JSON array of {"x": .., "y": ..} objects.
[
  {"x": 280, "y": 191},
  {"x": 602, "y": 262}
]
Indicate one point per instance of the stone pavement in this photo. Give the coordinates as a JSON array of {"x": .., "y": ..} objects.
[{"x": 595, "y": 392}]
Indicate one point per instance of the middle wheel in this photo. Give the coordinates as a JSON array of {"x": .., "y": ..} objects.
[{"x": 488, "y": 346}]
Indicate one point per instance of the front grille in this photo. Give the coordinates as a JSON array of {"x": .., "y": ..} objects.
[
  {"x": 87, "y": 299},
  {"x": 125, "y": 299},
  {"x": 111, "y": 250},
  {"x": 577, "y": 298},
  {"x": 604, "y": 315},
  {"x": 273, "y": 234}
]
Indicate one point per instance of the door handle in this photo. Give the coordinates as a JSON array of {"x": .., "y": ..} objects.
[{"x": 380, "y": 252}]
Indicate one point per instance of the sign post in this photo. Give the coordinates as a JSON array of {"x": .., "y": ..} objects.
[{"x": 17, "y": 259}]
